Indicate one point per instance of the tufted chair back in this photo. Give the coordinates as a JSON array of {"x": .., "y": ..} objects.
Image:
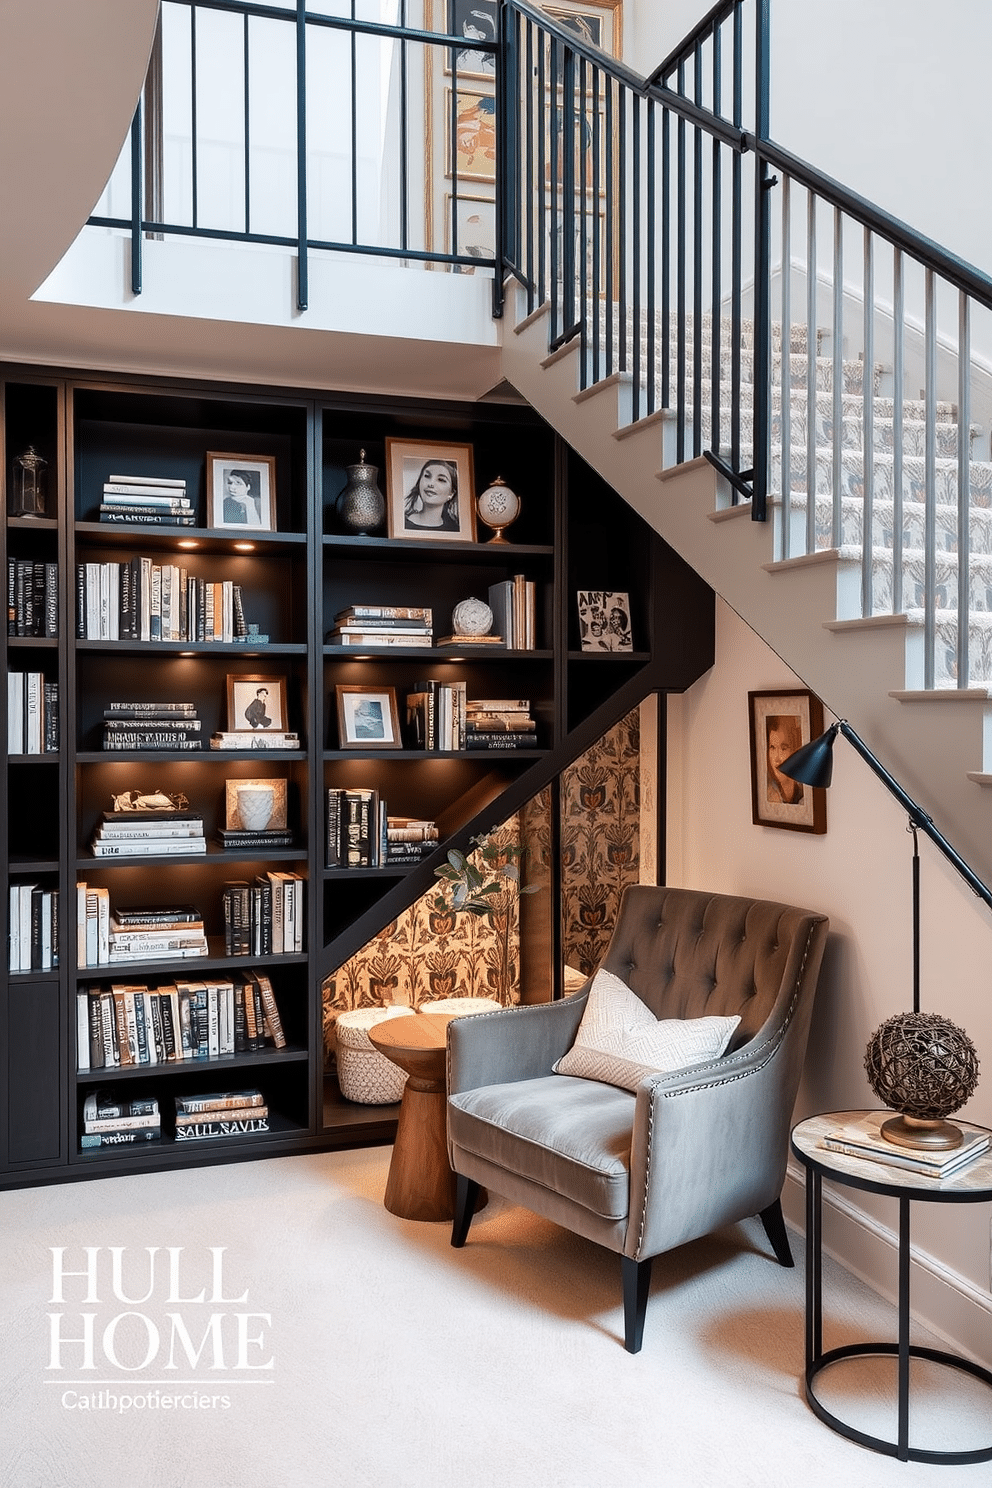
[{"x": 690, "y": 954}]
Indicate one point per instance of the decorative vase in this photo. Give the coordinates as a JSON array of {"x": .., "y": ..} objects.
[
  {"x": 255, "y": 804},
  {"x": 361, "y": 506},
  {"x": 498, "y": 506}
]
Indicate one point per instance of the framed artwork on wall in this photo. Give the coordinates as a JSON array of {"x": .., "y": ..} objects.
[{"x": 781, "y": 723}]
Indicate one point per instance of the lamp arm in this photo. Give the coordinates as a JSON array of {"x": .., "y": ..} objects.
[{"x": 917, "y": 815}]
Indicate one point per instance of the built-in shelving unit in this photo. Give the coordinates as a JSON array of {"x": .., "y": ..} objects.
[{"x": 572, "y": 533}]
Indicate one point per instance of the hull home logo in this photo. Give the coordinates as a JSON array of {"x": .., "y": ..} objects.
[{"x": 151, "y": 1329}]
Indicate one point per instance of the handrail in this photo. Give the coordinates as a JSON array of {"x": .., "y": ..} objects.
[
  {"x": 687, "y": 47},
  {"x": 957, "y": 271}
]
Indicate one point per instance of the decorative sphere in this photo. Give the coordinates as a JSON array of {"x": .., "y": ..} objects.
[
  {"x": 498, "y": 506},
  {"x": 472, "y": 617},
  {"x": 922, "y": 1065}
]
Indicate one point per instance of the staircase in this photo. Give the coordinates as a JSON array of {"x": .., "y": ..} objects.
[{"x": 866, "y": 664}]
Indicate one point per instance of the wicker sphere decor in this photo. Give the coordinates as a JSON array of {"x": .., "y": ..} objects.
[{"x": 925, "y": 1067}]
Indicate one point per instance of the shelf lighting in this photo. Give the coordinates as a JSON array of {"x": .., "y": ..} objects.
[
  {"x": 245, "y": 547},
  {"x": 188, "y": 542}
]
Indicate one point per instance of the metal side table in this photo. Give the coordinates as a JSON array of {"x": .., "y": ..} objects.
[{"x": 973, "y": 1185}]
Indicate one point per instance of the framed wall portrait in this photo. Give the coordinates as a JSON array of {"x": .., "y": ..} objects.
[
  {"x": 781, "y": 723},
  {"x": 431, "y": 490},
  {"x": 256, "y": 704},
  {"x": 596, "y": 22},
  {"x": 368, "y": 717},
  {"x": 474, "y": 21},
  {"x": 241, "y": 491},
  {"x": 474, "y": 124},
  {"x": 475, "y": 225}
]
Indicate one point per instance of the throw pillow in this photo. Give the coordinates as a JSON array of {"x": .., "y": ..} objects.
[{"x": 620, "y": 1040}]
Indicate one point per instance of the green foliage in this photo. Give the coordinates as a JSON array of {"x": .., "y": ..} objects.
[{"x": 476, "y": 889}]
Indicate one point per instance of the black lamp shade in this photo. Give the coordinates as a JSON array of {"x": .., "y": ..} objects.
[{"x": 813, "y": 764}]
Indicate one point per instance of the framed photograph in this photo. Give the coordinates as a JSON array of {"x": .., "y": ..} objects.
[
  {"x": 596, "y": 22},
  {"x": 431, "y": 490},
  {"x": 475, "y": 135},
  {"x": 475, "y": 21},
  {"x": 255, "y": 805},
  {"x": 604, "y": 620},
  {"x": 242, "y": 491},
  {"x": 256, "y": 704},
  {"x": 368, "y": 717},
  {"x": 475, "y": 226},
  {"x": 781, "y": 723}
]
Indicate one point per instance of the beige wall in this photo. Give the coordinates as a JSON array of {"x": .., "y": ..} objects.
[{"x": 858, "y": 874}]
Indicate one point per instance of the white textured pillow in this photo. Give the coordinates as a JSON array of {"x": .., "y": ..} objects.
[{"x": 620, "y": 1040}]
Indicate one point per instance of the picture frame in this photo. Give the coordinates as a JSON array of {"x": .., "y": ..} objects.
[
  {"x": 475, "y": 225},
  {"x": 241, "y": 491},
  {"x": 604, "y": 620},
  {"x": 256, "y": 704},
  {"x": 779, "y": 724},
  {"x": 416, "y": 509},
  {"x": 233, "y": 819},
  {"x": 596, "y": 22},
  {"x": 368, "y": 717},
  {"x": 474, "y": 20},
  {"x": 474, "y": 154}
]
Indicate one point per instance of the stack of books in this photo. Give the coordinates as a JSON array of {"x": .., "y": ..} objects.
[
  {"x": 127, "y": 1024},
  {"x": 863, "y": 1138},
  {"x": 408, "y": 839},
  {"x": 140, "y": 600},
  {"x": 435, "y": 715},
  {"x": 110, "y": 1120},
  {"x": 264, "y": 917},
  {"x": 32, "y": 714},
  {"x": 238, "y": 839},
  {"x": 382, "y": 625},
  {"x": 356, "y": 828},
  {"x": 131, "y": 726},
  {"x": 32, "y": 598},
  {"x": 33, "y": 928},
  {"x": 161, "y": 933},
  {"x": 148, "y": 834},
  {"x": 513, "y": 603},
  {"x": 147, "y": 501},
  {"x": 499, "y": 723},
  {"x": 234, "y": 1113}
]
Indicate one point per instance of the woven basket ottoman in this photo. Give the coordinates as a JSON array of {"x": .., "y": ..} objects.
[{"x": 365, "y": 1075}]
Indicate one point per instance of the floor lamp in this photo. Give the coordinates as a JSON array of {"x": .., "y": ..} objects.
[{"x": 918, "y": 1064}]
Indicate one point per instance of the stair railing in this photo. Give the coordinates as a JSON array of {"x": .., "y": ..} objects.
[{"x": 625, "y": 208}]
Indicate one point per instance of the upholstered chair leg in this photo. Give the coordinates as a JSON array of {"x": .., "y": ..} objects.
[
  {"x": 777, "y": 1234},
  {"x": 466, "y": 1196},
  {"x": 636, "y": 1281}
]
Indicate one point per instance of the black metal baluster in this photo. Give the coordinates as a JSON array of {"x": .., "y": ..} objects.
[
  {"x": 680, "y": 188},
  {"x": 622, "y": 235},
  {"x": 354, "y": 130},
  {"x": 137, "y": 198},
  {"x": 716, "y": 214},
  {"x": 302, "y": 263},
  {"x": 666, "y": 258},
  {"x": 529, "y": 168},
  {"x": 737, "y": 237},
  {"x": 650, "y": 266},
  {"x": 193, "y": 125},
  {"x": 610, "y": 219},
  {"x": 596, "y": 308},
  {"x": 697, "y": 265},
  {"x": 637, "y": 330},
  {"x": 556, "y": 123},
  {"x": 404, "y": 141},
  {"x": 762, "y": 278},
  {"x": 247, "y": 128}
]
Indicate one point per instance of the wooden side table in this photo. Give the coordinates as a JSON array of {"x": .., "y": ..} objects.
[
  {"x": 973, "y": 1185},
  {"x": 420, "y": 1184}
]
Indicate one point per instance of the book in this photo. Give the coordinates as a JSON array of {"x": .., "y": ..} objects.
[
  {"x": 460, "y": 640},
  {"x": 221, "y": 1101},
  {"x": 385, "y": 612},
  {"x": 237, "y": 837},
  {"x": 142, "y": 710},
  {"x": 378, "y": 638},
  {"x": 250, "y": 739},
  {"x": 384, "y": 623},
  {"x": 169, "y": 481},
  {"x": 139, "y": 914},
  {"x": 863, "y": 1138},
  {"x": 234, "y": 1113},
  {"x": 218, "y": 1127},
  {"x": 119, "y": 1138},
  {"x": 149, "y": 847}
]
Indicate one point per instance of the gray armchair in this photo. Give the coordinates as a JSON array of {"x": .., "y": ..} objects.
[{"x": 692, "y": 1149}]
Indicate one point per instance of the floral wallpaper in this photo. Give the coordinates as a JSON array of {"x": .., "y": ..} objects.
[
  {"x": 426, "y": 953},
  {"x": 600, "y": 838}
]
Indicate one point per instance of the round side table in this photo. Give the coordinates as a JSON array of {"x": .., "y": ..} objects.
[
  {"x": 420, "y": 1184},
  {"x": 973, "y": 1185}
]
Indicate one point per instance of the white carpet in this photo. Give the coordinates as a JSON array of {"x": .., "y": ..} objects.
[{"x": 398, "y": 1362}]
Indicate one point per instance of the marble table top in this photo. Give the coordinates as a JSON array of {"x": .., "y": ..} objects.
[{"x": 974, "y": 1181}]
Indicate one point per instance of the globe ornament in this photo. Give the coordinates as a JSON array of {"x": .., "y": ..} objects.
[
  {"x": 924, "y": 1067},
  {"x": 472, "y": 617},
  {"x": 498, "y": 506}
]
